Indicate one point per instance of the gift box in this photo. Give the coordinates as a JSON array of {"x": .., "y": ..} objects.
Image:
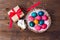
[{"x": 15, "y": 14}]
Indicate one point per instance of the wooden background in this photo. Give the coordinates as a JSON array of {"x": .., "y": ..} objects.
[{"x": 53, "y": 33}]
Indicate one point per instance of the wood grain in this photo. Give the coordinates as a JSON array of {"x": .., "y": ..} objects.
[{"x": 53, "y": 33}]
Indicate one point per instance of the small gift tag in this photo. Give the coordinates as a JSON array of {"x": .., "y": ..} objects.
[{"x": 21, "y": 23}]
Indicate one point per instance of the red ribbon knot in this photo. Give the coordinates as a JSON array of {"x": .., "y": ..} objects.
[{"x": 18, "y": 13}]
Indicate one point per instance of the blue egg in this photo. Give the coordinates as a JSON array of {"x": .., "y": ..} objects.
[
  {"x": 40, "y": 13},
  {"x": 41, "y": 22},
  {"x": 31, "y": 24},
  {"x": 34, "y": 14}
]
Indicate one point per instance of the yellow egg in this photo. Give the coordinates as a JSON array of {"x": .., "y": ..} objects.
[{"x": 36, "y": 21}]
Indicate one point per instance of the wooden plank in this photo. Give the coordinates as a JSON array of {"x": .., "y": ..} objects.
[{"x": 53, "y": 33}]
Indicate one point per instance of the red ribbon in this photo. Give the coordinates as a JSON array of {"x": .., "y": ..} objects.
[
  {"x": 33, "y": 6},
  {"x": 18, "y": 13}
]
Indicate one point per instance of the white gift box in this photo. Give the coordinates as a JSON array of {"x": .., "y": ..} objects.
[{"x": 15, "y": 16}]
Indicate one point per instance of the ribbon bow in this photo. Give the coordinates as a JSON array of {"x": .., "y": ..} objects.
[{"x": 18, "y": 13}]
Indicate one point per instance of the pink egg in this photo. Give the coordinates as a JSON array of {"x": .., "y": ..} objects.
[
  {"x": 38, "y": 18},
  {"x": 44, "y": 17},
  {"x": 37, "y": 27},
  {"x": 30, "y": 18},
  {"x": 44, "y": 26}
]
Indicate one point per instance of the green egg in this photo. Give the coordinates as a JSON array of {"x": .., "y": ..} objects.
[
  {"x": 40, "y": 13},
  {"x": 34, "y": 14},
  {"x": 41, "y": 22},
  {"x": 31, "y": 24}
]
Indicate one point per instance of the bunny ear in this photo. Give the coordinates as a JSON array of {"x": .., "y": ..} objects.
[{"x": 21, "y": 23}]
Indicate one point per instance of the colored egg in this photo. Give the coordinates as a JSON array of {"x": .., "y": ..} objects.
[
  {"x": 30, "y": 18},
  {"x": 37, "y": 27},
  {"x": 44, "y": 17},
  {"x": 40, "y": 13},
  {"x": 34, "y": 14},
  {"x": 31, "y": 24},
  {"x": 38, "y": 17},
  {"x": 41, "y": 22},
  {"x": 36, "y": 21},
  {"x": 44, "y": 26}
]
